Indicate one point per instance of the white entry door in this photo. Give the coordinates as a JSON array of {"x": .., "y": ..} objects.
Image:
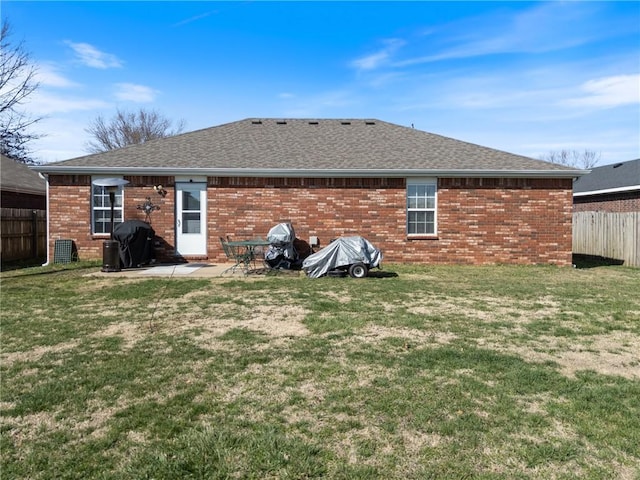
[{"x": 191, "y": 221}]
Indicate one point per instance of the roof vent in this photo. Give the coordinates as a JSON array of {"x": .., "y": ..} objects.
[
  {"x": 369, "y": 123},
  {"x": 256, "y": 122},
  {"x": 617, "y": 165},
  {"x": 313, "y": 123},
  {"x": 345, "y": 123},
  {"x": 281, "y": 122}
]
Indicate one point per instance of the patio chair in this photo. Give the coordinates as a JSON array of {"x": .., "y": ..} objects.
[{"x": 240, "y": 257}]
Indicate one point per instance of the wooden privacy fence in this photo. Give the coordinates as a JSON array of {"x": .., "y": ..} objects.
[
  {"x": 24, "y": 234},
  {"x": 608, "y": 235}
]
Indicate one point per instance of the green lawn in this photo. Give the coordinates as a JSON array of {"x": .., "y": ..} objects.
[{"x": 421, "y": 372}]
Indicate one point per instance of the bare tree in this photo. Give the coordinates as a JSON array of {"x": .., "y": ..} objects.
[
  {"x": 573, "y": 158},
  {"x": 129, "y": 128},
  {"x": 17, "y": 82}
]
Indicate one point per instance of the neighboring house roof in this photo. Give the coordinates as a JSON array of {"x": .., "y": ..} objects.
[
  {"x": 309, "y": 148},
  {"x": 614, "y": 178},
  {"x": 19, "y": 178}
]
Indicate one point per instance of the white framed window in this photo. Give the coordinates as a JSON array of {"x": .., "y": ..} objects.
[
  {"x": 101, "y": 209},
  {"x": 422, "y": 206}
]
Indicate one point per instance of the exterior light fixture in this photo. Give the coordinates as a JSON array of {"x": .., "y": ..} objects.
[
  {"x": 111, "y": 247},
  {"x": 161, "y": 190}
]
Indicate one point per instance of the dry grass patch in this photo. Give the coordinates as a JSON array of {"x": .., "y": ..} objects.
[
  {"x": 614, "y": 353},
  {"x": 436, "y": 373},
  {"x": 488, "y": 308},
  {"x": 374, "y": 333},
  {"x": 34, "y": 354},
  {"x": 210, "y": 323},
  {"x": 27, "y": 428},
  {"x": 340, "y": 297},
  {"x": 130, "y": 333}
]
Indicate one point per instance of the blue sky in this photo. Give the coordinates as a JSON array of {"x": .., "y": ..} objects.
[{"x": 525, "y": 77}]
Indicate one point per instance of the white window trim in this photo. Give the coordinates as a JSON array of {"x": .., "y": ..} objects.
[
  {"x": 431, "y": 181},
  {"x": 115, "y": 210}
]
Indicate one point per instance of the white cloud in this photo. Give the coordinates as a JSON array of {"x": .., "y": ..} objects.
[
  {"x": 556, "y": 92},
  {"x": 64, "y": 137},
  {"x": 611, "y": 91},
  {"x": 546, "y": 27},
  {"x": 500, "y": 90},
  {"x": 379, "y": 58},
  {"x": 612, "y": 144},
  {"x": 135, "y": 93},
  {"x": 92, "y": 57},
  {"x": 387, "y": 78},
  {"x": 47, "y": 75},
  {"x": 43, "y": 102},
  {"x": 195, "y": 18},
  {"x": 371, "y": 61}
]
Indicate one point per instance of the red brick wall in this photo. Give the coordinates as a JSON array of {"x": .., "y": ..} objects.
[
  {"x": 503, "y": 221},
  {"x": 479, "y": 220},
  {"x": 614, "y": 202},
  {"x": 70, "y": 212}
]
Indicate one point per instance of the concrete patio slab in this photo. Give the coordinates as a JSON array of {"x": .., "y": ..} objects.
[{"x": 190, "y": 270}]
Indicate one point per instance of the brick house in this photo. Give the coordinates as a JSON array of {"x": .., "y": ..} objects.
[
  {"x": 417, "y": 196},
  {"x": 22, "y": 216},
  {"x": 20, "y": 187},
  {"x": 610, "y": 188}
]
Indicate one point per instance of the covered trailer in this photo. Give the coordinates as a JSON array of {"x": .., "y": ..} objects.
[{"x": 352, "y": 255}]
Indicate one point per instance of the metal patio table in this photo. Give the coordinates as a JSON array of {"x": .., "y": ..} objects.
[{"x": 250, "y": 247}]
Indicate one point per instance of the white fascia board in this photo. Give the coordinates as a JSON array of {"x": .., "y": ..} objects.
[
  {"x": 312, "y": 173},
  {"x": 630, "y": 188}
]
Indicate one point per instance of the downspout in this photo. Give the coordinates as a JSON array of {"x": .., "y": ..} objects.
[{"x": 45, "y": 177}]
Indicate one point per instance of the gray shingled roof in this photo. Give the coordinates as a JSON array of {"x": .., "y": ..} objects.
[
  {"x": 617, "y": 176},
  {"x": 17, "y": 177},
  {"x": 256, "y": 146}
]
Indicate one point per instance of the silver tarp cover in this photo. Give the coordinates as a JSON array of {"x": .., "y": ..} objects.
[
  {"x": 342, "y": 252},
  {"x": 281, "y": 253},
  {"x": 281, "y": 235}
]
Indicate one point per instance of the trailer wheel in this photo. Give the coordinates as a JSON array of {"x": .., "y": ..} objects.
[{"x": 358, "y": 270}]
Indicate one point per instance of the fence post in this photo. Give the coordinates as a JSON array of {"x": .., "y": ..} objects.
[{"x": 34, "y": 233}]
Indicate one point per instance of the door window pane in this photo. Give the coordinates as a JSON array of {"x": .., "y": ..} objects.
[
  {"x": 190, "y": 200},
  {"x": 191, "y": 222}
]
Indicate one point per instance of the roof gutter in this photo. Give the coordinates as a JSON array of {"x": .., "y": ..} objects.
[
  {"x": 310, "y": 173},
  {"x": 631, "y": 188}
]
